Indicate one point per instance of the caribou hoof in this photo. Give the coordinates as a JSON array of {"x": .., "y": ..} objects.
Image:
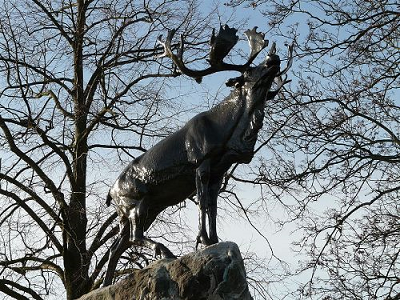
[
  {"x": 162, "y": 251},
  {"x": 214, "y": 241},
  {"x": 202, "y": 238}
]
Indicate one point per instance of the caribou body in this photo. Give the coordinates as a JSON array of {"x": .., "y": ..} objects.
[{"x": 196, "y": 157}]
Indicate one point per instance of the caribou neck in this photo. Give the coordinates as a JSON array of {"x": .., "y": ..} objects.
[{"x": 249, "y": 123}]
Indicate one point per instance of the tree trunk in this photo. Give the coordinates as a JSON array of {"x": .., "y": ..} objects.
[{"x": 76, "y": 260}]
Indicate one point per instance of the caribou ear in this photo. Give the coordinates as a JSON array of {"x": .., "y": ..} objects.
[{"x": 237, "y": 82}]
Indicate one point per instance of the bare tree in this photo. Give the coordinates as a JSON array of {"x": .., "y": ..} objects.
[
  {"x": 78, "y": 79},
  {"x": 333, "y": 144}
]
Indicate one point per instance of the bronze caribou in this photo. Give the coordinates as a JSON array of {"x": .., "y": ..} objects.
[{"x": 196, "y": 157}]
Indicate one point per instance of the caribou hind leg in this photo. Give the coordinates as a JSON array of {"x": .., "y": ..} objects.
[
  {"x": 122, "y": 243},
  {"x": 132, "y": 233},
  {"x": 117, "y": 248},
  {"x": 159, "y": 248},
  {"x": 139, "y": 218}
]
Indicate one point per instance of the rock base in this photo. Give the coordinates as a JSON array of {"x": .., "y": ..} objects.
[{"x": 214, "y": 273}]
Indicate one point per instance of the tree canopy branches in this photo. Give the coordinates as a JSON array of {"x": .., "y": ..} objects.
[
  {"x": 337, "y": 129},
  {"x": 73, "y": 78}
]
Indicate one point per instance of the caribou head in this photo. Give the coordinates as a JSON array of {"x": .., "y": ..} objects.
[{"x": 251, "y": 89}]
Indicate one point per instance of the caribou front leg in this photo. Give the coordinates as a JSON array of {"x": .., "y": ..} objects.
[
  {"x": 214, "y": 188},
  {"x": 202, "y": 183}
]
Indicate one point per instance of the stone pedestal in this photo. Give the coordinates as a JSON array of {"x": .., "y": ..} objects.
[{"x": 214, "y": 273}]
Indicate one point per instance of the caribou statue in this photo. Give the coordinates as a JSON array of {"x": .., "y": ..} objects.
[{"x": 196, "y": 157}]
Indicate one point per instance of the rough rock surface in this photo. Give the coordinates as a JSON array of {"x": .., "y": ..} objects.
[{"x": 214, "y": 273}]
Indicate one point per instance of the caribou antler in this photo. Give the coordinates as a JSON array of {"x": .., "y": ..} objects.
[
  {"x": 221, "y": 45},
  {"x": 280, "y": 80},
  {"x": 256, "y": 42},
  {"x": 167, "y": 44},
  {"x": 290, "y": 60}
]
